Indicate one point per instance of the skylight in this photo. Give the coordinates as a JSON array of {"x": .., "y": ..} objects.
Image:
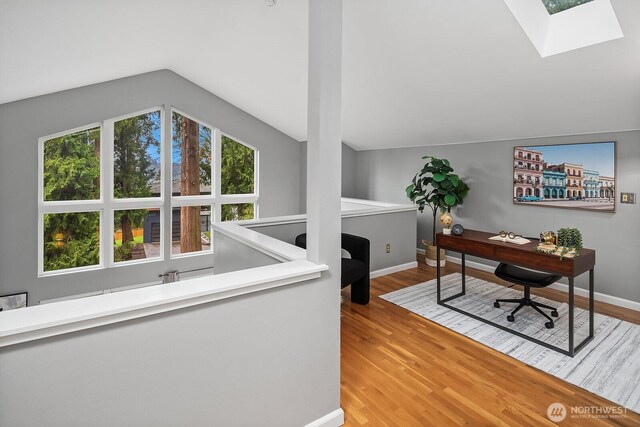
[
  {"x": 555, "y": 6},
  {"x": 551, "y": 32}
]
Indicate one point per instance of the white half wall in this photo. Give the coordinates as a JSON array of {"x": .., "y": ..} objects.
[{"x": 256, "y": 359}]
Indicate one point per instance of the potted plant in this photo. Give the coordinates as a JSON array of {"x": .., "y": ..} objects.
[
  {"x": 570, "y": 240},
  {"x": 437, "y": 187}
]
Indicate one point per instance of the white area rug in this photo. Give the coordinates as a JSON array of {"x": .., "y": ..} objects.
[{"x": 608, "y": 366}]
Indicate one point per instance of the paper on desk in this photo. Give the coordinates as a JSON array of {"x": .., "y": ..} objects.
[{"x": 517, "y": 240}]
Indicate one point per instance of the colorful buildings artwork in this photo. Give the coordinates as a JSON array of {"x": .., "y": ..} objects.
[
  {"x": 527, "y": 172},
  {"x": 574, "y": 182},
  {"x": 533, "y": 177},
  {"x": 591, "y": 184},
  {"x": 606, "y": 186},
  {"x": 542, "y": 176},
  {"x": 554, "y": 184},
  {"x": 575, "y": 187}
]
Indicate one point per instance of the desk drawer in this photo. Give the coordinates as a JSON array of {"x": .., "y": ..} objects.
[
  {"x": 534, "y": 260},
  {"x": 470, "y": 247}
]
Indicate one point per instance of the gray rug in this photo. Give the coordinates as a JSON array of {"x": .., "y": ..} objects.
[{"x": 608, "y": 366}]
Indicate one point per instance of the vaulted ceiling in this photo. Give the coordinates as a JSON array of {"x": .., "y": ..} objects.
[{"x": 416, "y": 72}]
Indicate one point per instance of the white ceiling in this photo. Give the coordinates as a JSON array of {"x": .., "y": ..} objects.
[{"x": 416, "y": 72}]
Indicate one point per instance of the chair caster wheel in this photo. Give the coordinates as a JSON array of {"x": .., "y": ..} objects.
[
  {"x": 496, "y": 304},
  {"x": 554, "y": 313},
  {"x": 549, "y": 325},
  {"x": 511, "y": 318}
]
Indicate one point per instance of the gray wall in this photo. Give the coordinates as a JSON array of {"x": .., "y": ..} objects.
[
  {"x": 349, "y": 177},
  {"x": 349, "y": 158},
  {"x": 23, "y": 122},
  {"x": 397, "y": 229},
  {"x": 487, "y": 168},
  {"x": 264, "y": 359},
  {"x": 232, "y": 255}
]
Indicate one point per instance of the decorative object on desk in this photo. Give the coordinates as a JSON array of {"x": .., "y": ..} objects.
[
  {"x": 510, "y": 237},
  {"x": 457, "y": 230},
  {"x": 577, "y": 176},
  {"x": 446, "y": 220},
  {"x": 548, "y": 237},
  {"x": 568, "y": 244},
  {"x": 570, "y": 238},
  {"x": 437, "y": 187},
  {"x": 13, "y": 301}
]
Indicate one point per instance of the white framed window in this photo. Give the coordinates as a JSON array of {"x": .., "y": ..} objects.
[
  {"x": 238, "y": 190},
  {"x": 107, "y": 191},
  {"x": 95, "y": 184},
  {"x": 193, "y": 178},
  {"x": 214, "y": 178},
  {"x": 70, "y": 200}
]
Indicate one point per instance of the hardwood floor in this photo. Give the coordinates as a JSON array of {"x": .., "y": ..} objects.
[{"x": 399, "y": 369}]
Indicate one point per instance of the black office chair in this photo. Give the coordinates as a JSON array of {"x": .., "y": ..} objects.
[
  {"x": 355, "y": 270},
  {"x": 529, "y": 279}
]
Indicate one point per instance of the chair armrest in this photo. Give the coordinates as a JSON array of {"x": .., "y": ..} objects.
[{"x": 357, "y": 246}]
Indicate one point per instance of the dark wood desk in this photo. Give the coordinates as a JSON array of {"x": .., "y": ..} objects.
[{"x": 477, "y": 243}]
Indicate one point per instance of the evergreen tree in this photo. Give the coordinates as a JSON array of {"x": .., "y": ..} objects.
[
  {"x": 72, "y": 172},
  {"x": 238, "y": 162},
  {"x": 134, "y": 140}
]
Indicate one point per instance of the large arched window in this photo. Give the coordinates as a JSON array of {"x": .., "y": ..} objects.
[{"x": 104, "y": 190}]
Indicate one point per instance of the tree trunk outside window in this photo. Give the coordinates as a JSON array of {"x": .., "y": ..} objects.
[{"x": 190, "y": 240}]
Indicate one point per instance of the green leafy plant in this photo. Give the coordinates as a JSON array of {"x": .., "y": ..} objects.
[
  {"x": 437, "y": 187},
  {"x": 570, "y": 239}
]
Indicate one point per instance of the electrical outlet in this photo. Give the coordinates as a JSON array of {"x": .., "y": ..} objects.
[{"x": 388, "y": 248}]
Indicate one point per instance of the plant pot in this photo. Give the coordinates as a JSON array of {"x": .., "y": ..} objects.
[
  {"x": 430, "y": 255},
  {"x": 446, "y": 231}
]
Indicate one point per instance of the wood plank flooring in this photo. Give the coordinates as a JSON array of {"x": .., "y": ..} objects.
[{"x": 399, "y": 369}]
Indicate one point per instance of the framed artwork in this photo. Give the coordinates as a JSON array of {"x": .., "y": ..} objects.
[
  {"x": 10, "y": 302},
  {"x": 574, "y": 176}
]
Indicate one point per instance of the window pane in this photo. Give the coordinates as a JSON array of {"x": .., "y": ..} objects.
[
  {"x": 136, "y": 150},
  {"x": 71, "y": 240},
  {"x": 191, "y": 157},
  {"x": 72, "y": 166},
  {"x": 190, "y": 229},
  {"x": 237, "y": 212},
  {"x": 237, "y": 167},
  {"x": 136, "y": 234}
]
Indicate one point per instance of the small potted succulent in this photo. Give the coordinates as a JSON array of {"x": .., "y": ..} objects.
[{"x": 437, "y": 187}]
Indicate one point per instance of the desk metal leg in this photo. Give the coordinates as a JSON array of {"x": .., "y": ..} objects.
[
  {"x": 571, "y": 302},
  {"x": 464, "y": 277},
  {"x": 439, "y": 299},
  {"x": 591, "y": 308}
]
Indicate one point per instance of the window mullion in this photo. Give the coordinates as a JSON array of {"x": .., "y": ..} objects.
[
  {"x": 47, "y": 208},
  {"x": 106, "y": 192},
  {"x": 217, "y": 170},
  {"x": 166, "y": 182}
]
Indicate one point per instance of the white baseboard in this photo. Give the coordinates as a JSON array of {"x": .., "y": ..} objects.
[
  {"x": 334, "y": 419},
  {"x": 394, "y": 269},
  {"x": 609, "y": 299}
]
